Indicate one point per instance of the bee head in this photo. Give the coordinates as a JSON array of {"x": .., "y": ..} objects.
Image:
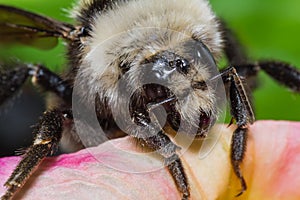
[{"x": 179, "y": 79}]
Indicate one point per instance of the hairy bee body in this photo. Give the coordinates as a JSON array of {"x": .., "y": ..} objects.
[{"x": 122, "y": 34}]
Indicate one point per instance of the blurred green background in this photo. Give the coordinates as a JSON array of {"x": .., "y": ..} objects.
[{"x": 268, "y": 29}]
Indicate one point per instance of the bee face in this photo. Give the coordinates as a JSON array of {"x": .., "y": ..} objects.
[
  {"x": 156, "y": 63},
  {"x": 183, "y": 72}
]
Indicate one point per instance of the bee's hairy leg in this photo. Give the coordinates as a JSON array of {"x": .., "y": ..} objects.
[
  {"x": 242, "y": 112},
  {"x": 47, "y": 134},
  {"x": 51, "y": 82},
  {"x": 160, "y": 142},
  {"x": 165, "y": 147},
  {"x": 13, "y": 79},
  {"x": 283, "y": 73}
]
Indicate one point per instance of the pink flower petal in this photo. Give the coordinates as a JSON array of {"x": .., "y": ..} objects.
[{"x": 120, "y": 169}]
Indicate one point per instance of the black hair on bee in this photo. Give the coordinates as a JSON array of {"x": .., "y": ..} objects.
[{"x": 126, "y": 58}]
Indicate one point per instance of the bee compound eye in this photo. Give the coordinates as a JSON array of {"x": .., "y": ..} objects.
[{"x": 182, "y": 65}]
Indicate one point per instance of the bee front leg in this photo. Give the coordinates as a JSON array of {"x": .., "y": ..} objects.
[
  {"x": 161, "y": 143},
  {"x": 242, "y": 112},
  {"x": 47, "y": 135},
  {"x": 165, "y": 147}
]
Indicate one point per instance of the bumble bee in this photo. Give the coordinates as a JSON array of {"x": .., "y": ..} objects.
[{"x": 128, "y": 60}]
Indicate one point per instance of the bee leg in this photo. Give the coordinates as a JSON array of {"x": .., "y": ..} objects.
[
  {"x": 238, "y": 149},
  {"x": 165, "y": 147},
  {"x": 158, "y": 140},
  {"x": 240, "y": 104},
  {"x": 50, "y": 82},
  {"x": 282, "y": 72},
  {"x": 47, "y": 135},
  {"x": 13, "y": 79},
  {"x": 242, "y": 112}
]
